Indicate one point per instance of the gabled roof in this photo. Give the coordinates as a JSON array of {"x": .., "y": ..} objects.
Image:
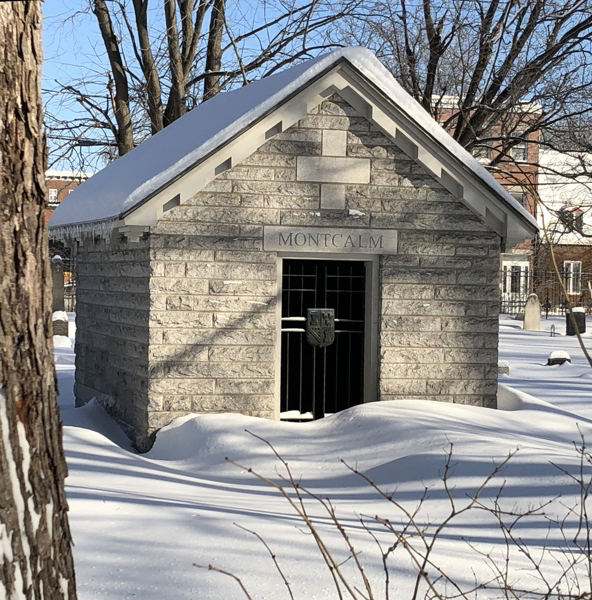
[{"x": 125, "y": 185}]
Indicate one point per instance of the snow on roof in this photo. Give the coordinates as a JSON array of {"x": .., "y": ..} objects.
[{"x": 124, "y": 183}]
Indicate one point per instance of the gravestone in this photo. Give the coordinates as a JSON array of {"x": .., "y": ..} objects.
[
  {"x": 532, "y": 314},
  {"x": 60, "y": 323},
  {"x": 57, "y": 281},
  {"x": 579, "y": 316},
  {"x": 558, "y": 357}
]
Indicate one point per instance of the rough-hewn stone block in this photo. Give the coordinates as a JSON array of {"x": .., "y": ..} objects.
[
  {"x": 243, "y": 320},
  {"x": 328, "y": 219},
  {"x": 219, "y": 337},
  {"x": 182, "y": 285},
  {"x": 245, "y": 386},
  {"x": 242, "y": 403},
  {"x": 243, "y": 288},
  {"x": 291, "y": 202},
  {"x": 179, "y": 318},
  {"x": 228, "y": 271},
  {"x": 324, "y": 122},
  {"x": 235, "y": 304},
  {"x": 278, "y": 188},
  {"x": 397, "y": 291},
  {"x": 181, "y": 386},
  {"x": 270, "y": 160},
  {"x": 294, "y": 148},
  {"x": 179, "y": 352},
  {"x": 210, "y": 370},
  {"x": 285, "y": 175},
  {"x": 246, "y": 257}
]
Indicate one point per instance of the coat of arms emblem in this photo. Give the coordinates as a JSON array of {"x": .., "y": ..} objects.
[{"x": 320, "y": 326}]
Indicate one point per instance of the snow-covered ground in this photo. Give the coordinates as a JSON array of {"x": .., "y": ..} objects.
[{"x": 140, "y": 521}]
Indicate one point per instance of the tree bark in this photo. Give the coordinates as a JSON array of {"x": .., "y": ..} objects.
[
  {"x": 35, "y": 541},
  {"x": 149, "y": 69},
  {"x": 214, "y": 56},
  {"x": 176, "y": 107},
  {"x": 125, "y": 137}
]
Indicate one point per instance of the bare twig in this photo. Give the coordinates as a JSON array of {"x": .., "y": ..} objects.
[
  {"x": 273, "y": 557},
  {"x": 228, "y": 574}
]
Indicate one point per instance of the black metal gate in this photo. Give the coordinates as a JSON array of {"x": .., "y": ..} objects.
[{"x": 322, "y": 368}]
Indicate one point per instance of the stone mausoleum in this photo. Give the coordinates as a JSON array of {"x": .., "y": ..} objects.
[{"x": 303, "y": 244}]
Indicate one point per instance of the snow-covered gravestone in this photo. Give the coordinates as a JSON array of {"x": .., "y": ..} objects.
[
  {"x": 532, "y": 313},
  {"x": 558, "y": 357},
  {"x": 60, "y": 323}
]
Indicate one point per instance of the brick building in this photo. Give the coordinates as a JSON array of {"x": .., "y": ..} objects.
[
  {"x": 59, "y": 185},
  {"x": 518, "y": 172},
  {"x": 309, "y": 242},
  {"x": 566, "y": 215}
]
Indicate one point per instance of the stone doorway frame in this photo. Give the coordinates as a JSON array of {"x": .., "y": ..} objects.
[{"x": 372, "y": 318}]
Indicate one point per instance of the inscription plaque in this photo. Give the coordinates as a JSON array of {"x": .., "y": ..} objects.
[{"x": 320, "y": 239}]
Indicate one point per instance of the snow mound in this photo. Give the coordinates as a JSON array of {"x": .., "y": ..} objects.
[
  {"x": 59, "y": 315},
  {"x": 99, "y": 428},
  {"x": 511, "y": 399},
  {"x": 61, "y": 341}
]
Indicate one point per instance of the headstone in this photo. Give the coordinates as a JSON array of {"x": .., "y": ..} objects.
[
  {"x": 558, "y": 357},
  {"x": 60, "y": 323},
  {"x": 532, "y": 314},
  {"x": 579, "y": 316},
  {"x": 57, "y": 283}
]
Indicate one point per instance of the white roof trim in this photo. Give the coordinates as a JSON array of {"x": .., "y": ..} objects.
[{"x": 361, "y": 79}]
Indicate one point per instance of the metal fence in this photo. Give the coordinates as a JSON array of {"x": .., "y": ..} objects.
[
  {"x": 69, "y": 262},
  {"x": 516, "y": 283}
]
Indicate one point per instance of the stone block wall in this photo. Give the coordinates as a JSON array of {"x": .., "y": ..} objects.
[
  {"x": 112, "y": 331},
  {"x": 212, "y": 322},
  {"x": 210, "y": 289}
]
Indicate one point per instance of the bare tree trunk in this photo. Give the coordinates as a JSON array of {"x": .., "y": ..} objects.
[
  {"x": 125, "y": 138},
  {"x": 36, "y": 557},
  {"x": 149, "y": 67},
  {"x": 177, "y": 106},
  {"x": 214, "y": 57}
]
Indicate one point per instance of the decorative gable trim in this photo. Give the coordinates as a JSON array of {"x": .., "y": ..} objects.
[{"x": 342, "y": 78}]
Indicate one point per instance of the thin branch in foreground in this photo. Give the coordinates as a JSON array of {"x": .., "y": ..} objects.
[
  {"x": 227, "y": 573},
  {"x": 273, "y": 557}
]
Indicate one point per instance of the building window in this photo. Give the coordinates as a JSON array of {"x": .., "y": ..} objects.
[
  {"x": 517, "y": 194},
  {"x": 519, "y": 152},
  {"x": 572, "y": 272},
  {"x": 572, "y": 219},
  {"x": 53, "y": 196},
  {"x": 482, "y": 149}
]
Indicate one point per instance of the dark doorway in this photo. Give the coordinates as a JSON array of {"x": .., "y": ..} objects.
[{"x": 322, "y": 365}]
